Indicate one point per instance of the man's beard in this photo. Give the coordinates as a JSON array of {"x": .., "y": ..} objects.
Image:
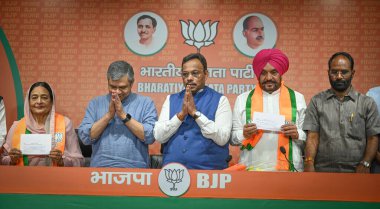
[{"x": 341, "y": 85}]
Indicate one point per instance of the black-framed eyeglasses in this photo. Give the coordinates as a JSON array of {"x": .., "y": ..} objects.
[{"x": 195, "y": 74}]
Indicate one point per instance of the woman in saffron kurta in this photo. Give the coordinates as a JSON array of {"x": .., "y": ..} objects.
[{"x": 41, "y": 118}]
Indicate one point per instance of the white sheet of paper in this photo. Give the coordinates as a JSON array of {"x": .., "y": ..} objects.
[
  {"x": 267, "y": 121},
  {"x": 35, "y": 144}
]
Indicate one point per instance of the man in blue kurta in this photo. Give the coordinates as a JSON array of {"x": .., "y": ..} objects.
[
  {"x": 119, "y": 125},
  {"x": 195, "y": 124}
]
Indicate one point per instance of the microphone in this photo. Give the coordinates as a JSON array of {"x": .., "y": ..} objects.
[{"x": 283, "y": 151}]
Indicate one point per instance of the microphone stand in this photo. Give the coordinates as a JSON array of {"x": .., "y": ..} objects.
[{"x": 283, "y": 151}]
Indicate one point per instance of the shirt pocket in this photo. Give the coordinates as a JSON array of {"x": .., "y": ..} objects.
[{"x": 356, "y": 126}]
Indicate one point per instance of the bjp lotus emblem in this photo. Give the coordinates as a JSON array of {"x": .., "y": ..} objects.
[
  {"x": 199, "y": 35},
  {"x": 174, "y": 179},
  {"x": 174, "y": 176}
]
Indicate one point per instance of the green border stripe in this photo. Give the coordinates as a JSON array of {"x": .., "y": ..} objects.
[
  {"x": 15, "y": 73},
  {"x": 11, "y": 201},
  {"x": 248, "y": 111},
  {"x": 293, "y": 103},
  {"x": 248, "y": 106}
]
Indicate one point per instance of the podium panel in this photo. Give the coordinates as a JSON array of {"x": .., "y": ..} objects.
[{"x": 110, "y": 187}]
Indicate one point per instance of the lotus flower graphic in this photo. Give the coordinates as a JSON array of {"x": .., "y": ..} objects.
[
  {"x": 199, "y": 35},
  {"x": 174, "y": 176}
]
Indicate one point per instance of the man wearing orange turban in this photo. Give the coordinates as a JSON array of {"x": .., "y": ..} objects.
[{"x": 263, "y": 150}]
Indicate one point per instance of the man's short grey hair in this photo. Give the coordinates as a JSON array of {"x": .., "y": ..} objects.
[{"x": 118, "y": 69}]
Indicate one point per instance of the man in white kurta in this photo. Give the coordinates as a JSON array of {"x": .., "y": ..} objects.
[{"x": 269, "y": 66}]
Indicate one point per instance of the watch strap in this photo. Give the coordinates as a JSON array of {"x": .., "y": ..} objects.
[
  {"x": 365, "y": 163},
  {"x": 197, "y": 114},
  {"x": 127, "y": 118}
]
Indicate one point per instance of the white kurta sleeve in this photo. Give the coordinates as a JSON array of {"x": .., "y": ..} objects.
[
  {"x": 219, "y": 130},
  {"x": 165, "y": 127}
]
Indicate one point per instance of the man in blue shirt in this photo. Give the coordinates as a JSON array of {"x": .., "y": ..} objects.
[
  {"x": 195, "y": 124},
  {"x": 375, "y": 94},
  {"x": 119, "y": 125}
]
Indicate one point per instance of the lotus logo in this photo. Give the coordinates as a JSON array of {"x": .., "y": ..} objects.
[
  {"x": 174, "y": 176},
  {"x": 199, "y": 35},
  {"x": 174, "y": 179},
  {"x": 58, "y": 137}
]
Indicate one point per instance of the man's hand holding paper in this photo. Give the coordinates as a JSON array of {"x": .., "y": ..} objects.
[
  {"x": 268, "y": 122},
  {"x": 277, "y": 123},
  {"x": 249, "y": 129},
  {"x": 290, "y": 130}
]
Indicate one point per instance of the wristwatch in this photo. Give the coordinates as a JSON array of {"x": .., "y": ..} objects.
[
  {"x": 365, "y": 163},
  {"x": 197, "y": 114},
  {"x": 127, "y": 118}
]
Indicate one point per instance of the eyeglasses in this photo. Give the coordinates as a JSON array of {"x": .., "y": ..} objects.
[
  {"x": 335, "y": 73},
  {"x": 195, "y": 74},
  {"x": 115, "y": 88}
]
